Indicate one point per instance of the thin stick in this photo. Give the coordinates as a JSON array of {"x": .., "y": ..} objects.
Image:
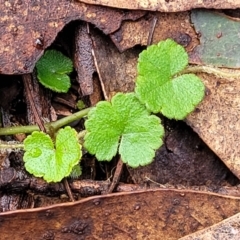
[
  {"x": 116, "y": 176},
  {"x": 69, "y": 192},
  {"x": 99, "y": 75},
  {"x": 96, "y": 65},
  {"x": 151, "y": 31},
  {"x": 27, "y": 83}
]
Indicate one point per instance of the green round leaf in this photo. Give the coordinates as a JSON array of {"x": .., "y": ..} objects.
[
  {"x": 159, "y": 88},
  {"x": 42, "y": 160},
  {"x": 126, "y": 124},
  {"x": 52, "y": 69}
]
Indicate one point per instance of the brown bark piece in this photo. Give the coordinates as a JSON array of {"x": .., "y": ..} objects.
[
  {"x": 29, "y": 27},
  {"x": 118, "y": 70},
  {"x": 216, "y": 120},
  {"x": 155, "y": 214},
  {"x": 165, "y": 5},
  {"x": 83, "y": 59},
  {"x": 169, "y": 25},
  {"x": 228, "y": 229}
]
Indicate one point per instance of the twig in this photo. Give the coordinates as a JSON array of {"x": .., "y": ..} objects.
[
  {"x": 116, "y": 176},
  {"x": 96, "y": 65},
  {"x": 27, "y": 81},
  {"x": 151, "y": 31},
  {"x": 69, "y": 192}
]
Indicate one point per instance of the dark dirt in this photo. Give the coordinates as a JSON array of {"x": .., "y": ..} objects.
[{"x": 186, "y": 160}]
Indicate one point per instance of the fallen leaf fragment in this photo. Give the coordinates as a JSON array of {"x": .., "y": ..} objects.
[
  {"x": 168, "y": 25},
  {"x": 29, "y": 27},
  {"x": 228, "y": 229},
  {"x": 216, "y": 119},
  {"x": 155, "y": 214},
  {"x": 165, "y": 6},
  {"x": 117, "y": 70},
  {"x": 219, "y": 39}
]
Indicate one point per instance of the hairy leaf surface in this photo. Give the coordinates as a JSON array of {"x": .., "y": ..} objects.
[
  {"x": 52, "y": 70},
  {"x": 123, "y": 124},
  {"x": 159, "y": 84},
  {"x": 53, "y": 164}
]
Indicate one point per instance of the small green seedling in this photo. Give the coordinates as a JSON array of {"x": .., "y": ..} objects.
[
  {"x": 52, "y": 70},
  {"x": 160, "y": 85},
  {"x": 53, "y": 163},
  {"x": 125, "y": 124}
]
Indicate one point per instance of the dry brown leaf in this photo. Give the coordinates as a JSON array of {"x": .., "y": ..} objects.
[
  {"x": 165, "y": 5},
  {"x": 216, "y": 120},
  {"x": 169, "y": 25},
  {"x": 117, "y": 71},
  {"x": 155, "y": 214},
  {"x": 228, "y": 229},
  {"x": 28, "y": 27}
]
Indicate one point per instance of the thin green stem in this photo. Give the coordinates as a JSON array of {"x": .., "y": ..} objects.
[
  {"x": 11, "y": 145},
  {"x": 55, "y": 125},
  {"x": 227, "y": 74},
  {"x": 82, "y": 134},
  {"x": 75, "y": 116},
  {"x": 18, "y": 129}
]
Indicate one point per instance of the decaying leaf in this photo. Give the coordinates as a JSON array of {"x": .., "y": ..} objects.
[
  {"x": 228, "y": 229},
  {"x": 165, "y": 6},
  {"x": 29, "y": 27},
  {"x": 117, "y": 71},
  {"x": 219, "y": 39},
  {"x": 216, "y": 119},
  {"x": 155, "y": 214},
  {"x": 168, "y": 25}
]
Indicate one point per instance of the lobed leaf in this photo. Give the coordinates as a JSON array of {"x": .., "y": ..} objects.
[
  {"x": 52, "y": 70},
  {"x": 158, "y": 85},
  {"x": 124, "y": 124},
  {"x": 53, "y": 164}
]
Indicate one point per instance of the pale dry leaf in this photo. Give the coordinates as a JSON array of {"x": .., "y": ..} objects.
[
  {"x": 216, "y": 119},
  {"x": 164, "y": 5}
]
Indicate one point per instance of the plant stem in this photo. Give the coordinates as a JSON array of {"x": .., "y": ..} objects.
[
  {"x": 82, "y": 134},
  {"x": 229, "y": 74},
  {"x": 10, "y": 145},
  {"x": 18, "y": 129},
  {"x": 55, "y": 125},
  {"x": 64, "y": 121}
]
